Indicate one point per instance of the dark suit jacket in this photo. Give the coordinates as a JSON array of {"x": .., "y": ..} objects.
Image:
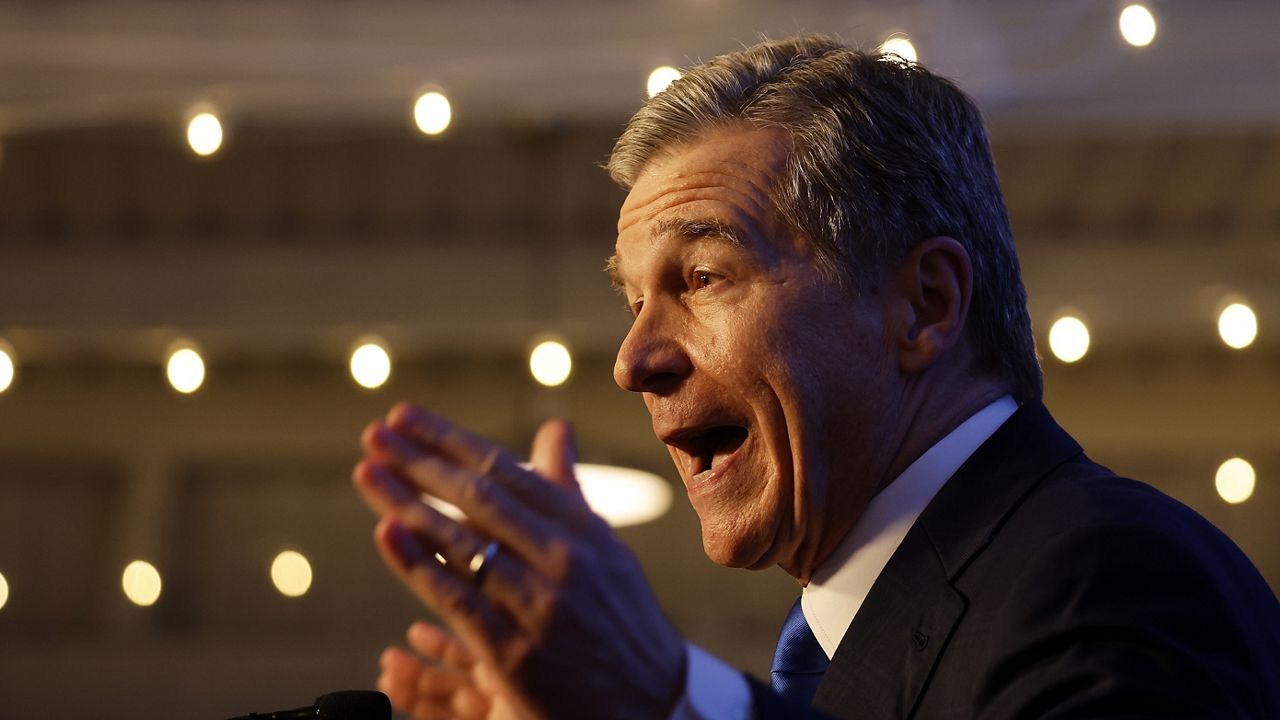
[{"x": 1039, "y": 584}]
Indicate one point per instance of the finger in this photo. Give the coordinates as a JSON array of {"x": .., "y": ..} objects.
[
  {"x": 473, "y": 620},
  {"x": 553, "y": 453},
  {"x": 525, "y": 596},
  {"x": 436, "y": 643},
  {"x": 478, "y": 454},
  {"x": 470, "y": 704},
  {"x": 399, "y": 677},
  {"x": 485, "y": 502}
]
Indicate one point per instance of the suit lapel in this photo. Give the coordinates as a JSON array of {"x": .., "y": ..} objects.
[{"x": 883, "y": 665}]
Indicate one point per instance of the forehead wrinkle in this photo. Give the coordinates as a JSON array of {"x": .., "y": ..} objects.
[{"x": 752, "y": 196}]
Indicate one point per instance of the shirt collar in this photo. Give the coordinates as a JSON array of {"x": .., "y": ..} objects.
[{"x": 838, "y": 587}]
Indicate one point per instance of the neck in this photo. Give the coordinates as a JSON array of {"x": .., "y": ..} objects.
[{"x": 929, "y": 414}]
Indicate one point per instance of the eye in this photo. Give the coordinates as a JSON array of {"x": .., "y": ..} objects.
[{"x": 705, "y": 278}]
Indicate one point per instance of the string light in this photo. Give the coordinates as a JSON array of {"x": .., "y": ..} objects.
[
  {"x": 8, "y": 365},
  {"x": 141, "y": 583},
  {"x": 371, "y": 363},
  {"x": 901, "y": 46},
  {"x": 1235, "y": 480},
  {"x": 550, "y": 363},
  {"x": 184, "y": 367},
  {"x": 1069, "y": 338},
  {"x": 432, "y": 113},
  {"x": 291, "y": 573},
  {"x": 1237, "y": 325},
  {"x": 204, "y": 133},
  {"x": 1137, "y": 26},
  {"x": 660, "y": 78}
]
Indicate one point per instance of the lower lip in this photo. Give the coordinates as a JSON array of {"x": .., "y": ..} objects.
[{"x": 704, "y": 481}]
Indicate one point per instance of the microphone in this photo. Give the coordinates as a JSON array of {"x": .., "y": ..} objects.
[{"x": 342, "y": 705}]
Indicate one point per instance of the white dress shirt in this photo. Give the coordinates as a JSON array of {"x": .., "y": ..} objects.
[{"x": 838, "y": 587}]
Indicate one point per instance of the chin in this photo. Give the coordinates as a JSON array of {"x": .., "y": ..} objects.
[{"x": 744, "y": 550}]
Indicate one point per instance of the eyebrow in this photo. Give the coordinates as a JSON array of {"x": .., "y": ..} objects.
[{"x": 686, "y": 229}]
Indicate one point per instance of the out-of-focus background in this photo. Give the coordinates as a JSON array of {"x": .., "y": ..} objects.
[{"x": 1143, "y": 181}]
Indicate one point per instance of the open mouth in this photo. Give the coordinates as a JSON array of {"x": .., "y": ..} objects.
[{"x": 708, "y": 449}]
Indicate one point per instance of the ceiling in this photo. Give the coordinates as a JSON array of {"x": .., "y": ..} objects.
[{"x": 1043, "y": 64}]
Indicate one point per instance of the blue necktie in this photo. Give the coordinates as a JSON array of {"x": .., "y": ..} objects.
[{"x": 798, "y": 661}]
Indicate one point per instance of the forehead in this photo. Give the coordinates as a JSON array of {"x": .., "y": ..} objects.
[{"x": 727, "y": 175}]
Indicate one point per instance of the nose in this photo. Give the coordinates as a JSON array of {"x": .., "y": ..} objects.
[{"x": 651, "y": 358}]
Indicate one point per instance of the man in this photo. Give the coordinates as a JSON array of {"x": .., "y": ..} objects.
[{"x": 831, "y": 336}]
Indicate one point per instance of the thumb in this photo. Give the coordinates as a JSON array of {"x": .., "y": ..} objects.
[{"x": 553, "y": 453}]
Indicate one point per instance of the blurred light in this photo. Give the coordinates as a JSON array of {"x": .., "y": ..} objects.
[
  {"x": 4, "y": 591},
  {"x": 8, "y": 368},
  {"x": 291, "y": 573},
  {"x": 660, "y": 78},
  {"x": 432, "y": 113},
  {"x": 185, "y": 368},
  {"x": 1235, "y": 480},
  {"x": 1237, "y": 325},
  {"x": 622, "y": 496},
  {"x": 204, "y": 134},
  {"x": 1137, "y": 25},
  {"x": 141, "y": 583},
  {"x": 371, "y": 364},
  {"x": 901, "y": 46},
  {"x": 550, "y": 363},
  {"x": 1069, "y": 338}
]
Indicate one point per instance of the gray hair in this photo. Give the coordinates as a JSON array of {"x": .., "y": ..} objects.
[{"x": 886, "y": 154}]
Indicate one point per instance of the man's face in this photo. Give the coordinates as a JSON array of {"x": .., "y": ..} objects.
[{"x": 766, "y": 381}]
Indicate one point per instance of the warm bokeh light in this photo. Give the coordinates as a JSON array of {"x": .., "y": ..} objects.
[
  {"x": 660, "y": 78},
  {"x": 1235, "y": 480},
  {"x": 291, "y": 573},
  {"x": 141, "y": 583},
  {"x": 8, "y": 368},
  {"x": 622, "y": 496},
  {"x": 550, "y": 363},
  {"x": 185, "y": 369},
  {"x": 1069, "y": 338},
  {"x": 204, "y": 134},
  {"x": 901, "y": 46},
  {"x": 432, "y": 113},
  {"x": 1137, "y": 26},
  {"x": 1237, "y": 325},
  {"x": 371, "y": 364},
  {"x": 4, "y": 591}
]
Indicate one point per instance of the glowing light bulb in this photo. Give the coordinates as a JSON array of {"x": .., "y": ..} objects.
[
  {"x": 1235, "y": 480},
  {"x": 4, "y": 591},
  {"x": 1237, "y": 325},
  {"x": 185, "y": 369},
  {"x": 660, "y": 78},
  {"x": 204, "y": 134},
  {"x": 141, "y": 583},
  {"x": 550, "y": 363},
  {"x": 901, "y": 46},
  {"x": 291, "y": 573},
  {"x": 1137, "y": 26},
  {"x": 622, "y": 496},
  {"x": 371, "y": 364},
  {"x": 432, "y": 113},
  {"x": 1069, "y": 338},
  {"x": 8, "y": 368}
]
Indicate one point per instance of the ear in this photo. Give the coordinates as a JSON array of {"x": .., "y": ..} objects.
[{"x": 935, "y": 283}]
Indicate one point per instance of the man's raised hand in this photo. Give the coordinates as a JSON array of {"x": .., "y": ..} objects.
[{"x": 561, "y": 613}]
